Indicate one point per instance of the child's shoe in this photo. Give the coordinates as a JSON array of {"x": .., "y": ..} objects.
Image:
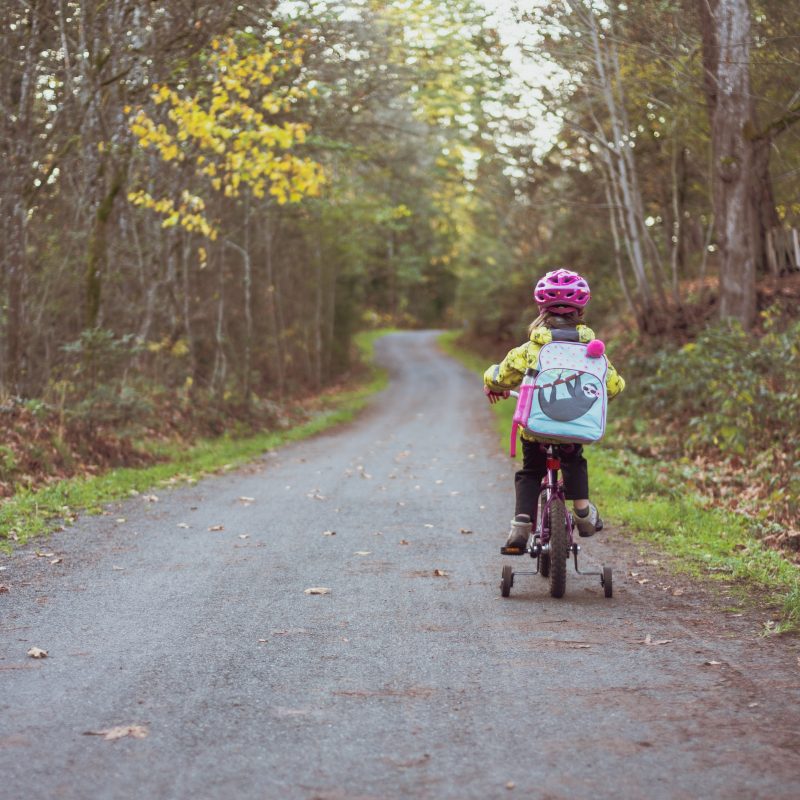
[
  {"x": 587, "y": 521},
  {"x": 520, "y": 532}
]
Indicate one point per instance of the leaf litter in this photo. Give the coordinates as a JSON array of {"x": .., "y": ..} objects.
[
  {"x": 649, "y": 640},
  {"x": 120, "y": 732}
]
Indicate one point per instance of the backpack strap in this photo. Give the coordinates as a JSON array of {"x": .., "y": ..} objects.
[{"x": 565, "y": 335}]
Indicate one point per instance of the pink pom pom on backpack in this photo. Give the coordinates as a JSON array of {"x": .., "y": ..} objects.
[{"x": 595, "y": 348}]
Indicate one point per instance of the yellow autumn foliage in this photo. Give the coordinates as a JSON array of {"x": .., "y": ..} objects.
[{"x": 227, "y": 133}]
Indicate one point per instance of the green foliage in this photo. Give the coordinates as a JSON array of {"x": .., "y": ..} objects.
[
  {"x": 95, "y": 372},
  {"x": 732, "y": 390},
  {"x": 8, "y": 463}
]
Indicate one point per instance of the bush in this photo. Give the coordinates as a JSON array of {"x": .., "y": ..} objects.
[
  {"x": 732, "y": 393},
  {"x": 732, "y": 390}
]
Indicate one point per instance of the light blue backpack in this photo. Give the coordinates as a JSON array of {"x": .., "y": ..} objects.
[{"x": 564, "y": 399}]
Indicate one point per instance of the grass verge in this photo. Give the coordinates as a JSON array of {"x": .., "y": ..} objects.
[
  {"x": 654, "y": 505},
  {"x": 31, "y": 513}
]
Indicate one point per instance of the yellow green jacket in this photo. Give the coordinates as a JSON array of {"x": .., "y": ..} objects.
[{"x": 508, "y": 374}]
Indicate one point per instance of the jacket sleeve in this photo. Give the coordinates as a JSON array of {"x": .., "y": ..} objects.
[
  {"x": 509, "y": 372},
  {"x": 615, "y": 383}
]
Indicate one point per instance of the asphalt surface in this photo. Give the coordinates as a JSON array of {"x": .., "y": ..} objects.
[{"x": 399, "y": 683}]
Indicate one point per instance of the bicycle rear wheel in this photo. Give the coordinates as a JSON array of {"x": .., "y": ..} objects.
[{"x": 559, "y": 549}]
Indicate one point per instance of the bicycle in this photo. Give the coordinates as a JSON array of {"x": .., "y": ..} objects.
[{"x": 552, "y": 540}]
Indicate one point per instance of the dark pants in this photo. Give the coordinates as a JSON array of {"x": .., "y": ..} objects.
[{"x": 527, "y": 481}]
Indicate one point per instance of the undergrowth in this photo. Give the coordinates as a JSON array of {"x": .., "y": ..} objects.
[{"x": 726, "y": 407}]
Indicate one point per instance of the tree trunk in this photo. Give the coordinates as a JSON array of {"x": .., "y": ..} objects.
[
  {"x": 98, "y": 250},
  {"x": 726, "y": 59},
  {"x": 15, "y": 270}
]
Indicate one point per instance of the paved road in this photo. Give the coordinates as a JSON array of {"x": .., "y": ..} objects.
[{"x": 399, "y": 683}]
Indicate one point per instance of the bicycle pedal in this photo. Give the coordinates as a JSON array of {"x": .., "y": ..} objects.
[{"x": 512, "y": 551}]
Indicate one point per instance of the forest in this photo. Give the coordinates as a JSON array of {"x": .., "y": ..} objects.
[{"x": 203, "y": 202}]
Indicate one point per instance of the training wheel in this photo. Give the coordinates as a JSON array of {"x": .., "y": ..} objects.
[
  {"x": 506, "y": 581},
  {"x": 606, "y": 581}
]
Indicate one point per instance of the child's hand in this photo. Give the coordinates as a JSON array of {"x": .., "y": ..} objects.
[{"x": 495, "y": 397}]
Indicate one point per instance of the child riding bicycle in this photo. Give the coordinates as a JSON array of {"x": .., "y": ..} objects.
[{"x": 562, "y": 297}]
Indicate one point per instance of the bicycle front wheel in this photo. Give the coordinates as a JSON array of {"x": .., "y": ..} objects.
[
  {"x": 544, "y": 558},
  {"x": 559, "y": 548}
]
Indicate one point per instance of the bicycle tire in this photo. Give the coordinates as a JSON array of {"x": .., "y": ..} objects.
[
  {"x": 608, "y": 585},
  {"x": 559, "y": 549},
  {"x": 506, "y": 580},
  {"x": 544, "y": 558}
]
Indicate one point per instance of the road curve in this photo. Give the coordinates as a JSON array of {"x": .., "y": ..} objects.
[{"x": 399, "y": 683}]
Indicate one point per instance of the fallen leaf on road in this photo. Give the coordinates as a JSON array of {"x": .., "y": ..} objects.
[
  {"x": 329, "y": 533},
  {"x": 151, "y": 498},
  {"x": 317, "y": 590},
  {"x": 361, "y": 553},
  {"x": 182, "y": 525},
  {"x": 44, "y": 555},
  {"x": 244, "y": 499},
  {"x": 404, "y": 541},
  {"x": 56, "y": 560},
  {"x": 120, "y": 732},
  {"x": 712, "y": 663},
  {"x": 465, "y": 531},
  {"x": 642, "y": 581},
  {"x": 37, "y": 652},
  {"x": 3, "y": 588},
  {"x": 216, "y": 527},
  {"x": 677, "y": 592},
  {"x": 510, "y": 785},
  {"x": 650, "y": 640},
  {"x": 441, "y": 573}
]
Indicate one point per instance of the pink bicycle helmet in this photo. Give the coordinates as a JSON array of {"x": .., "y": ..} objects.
[{"x": 561, "y": 291}]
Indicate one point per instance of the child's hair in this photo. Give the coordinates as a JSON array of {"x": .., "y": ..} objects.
[{"x": 547, "y": 319}]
